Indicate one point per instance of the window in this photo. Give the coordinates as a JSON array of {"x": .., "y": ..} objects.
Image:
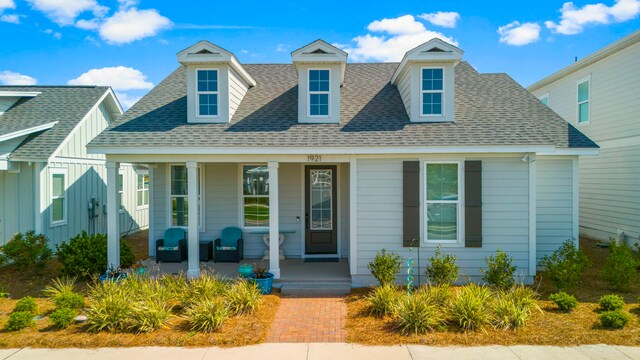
[
  {"x": 443, "y": 201},
  {"x": 321, "y": 191},
  {"x": 545, "y": 99},
  {"x": 432, "y": 91},
  {"x": 255, "y": 196},
  {"x": 58, "y": 197},
  {"x": 207, "y": 92},
  {"x": 143, "y": 190},
  {"x": 319, "y": 92},
  {"x": 583, "y": 101},
  {"x": 120, "y": 192},
  {"x": 179, "y": 197}
]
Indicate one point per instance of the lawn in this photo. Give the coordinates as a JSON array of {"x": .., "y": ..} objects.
[{"x": 548, "y": 327}]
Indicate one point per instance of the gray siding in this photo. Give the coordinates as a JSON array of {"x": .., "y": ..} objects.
[
  {"x": 237, "y": 89},
  {"x": 404, "y": 87},
  {"x": 97, "y": 121},
  {"x": 17, "y": 202}
]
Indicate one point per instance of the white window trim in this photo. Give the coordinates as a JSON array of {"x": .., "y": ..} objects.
[
  {"x": 588, "y": 101},
  {"x": 122, "y": 208},
  {"x": 241, "y": 198},
  {"x": 65, "y": 172},
  {"x": 202, "y": 217},
  {"x": 443, "y": 92},
  {"x": 309, "y": 93},
  {"x": 459, "y": 242},
  {"x": 143, "y": 173},
  {"x": 545, "y": 96},
  {"x": 198, "y": 93}
]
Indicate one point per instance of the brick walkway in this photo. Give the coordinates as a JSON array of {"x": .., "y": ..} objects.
[{"x": 309, "y": 319}]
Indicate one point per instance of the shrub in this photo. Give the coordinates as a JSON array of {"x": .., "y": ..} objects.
[
  {"x": 19, "y": 320},
  {"x": 28, "y": 250},
  {"x": 149, "y": 314},
  {"x": 440, "y": 295},
  {"x": 61, "y": 291},
  {"x": 110, "y": 307},
  {"x": 620, "y": 267},
  {"x": 26, "y": 304},
  {"x": 62, "y": 317},
  {"x": 442, "y": 270},
  {"x": 383, "y": 300},
  {"x": 564, "y": 301},
  {"x": 86, "y": 255},
  {"x": 207, "y": 315},
  {"x": 611, "y": 302},
  {"x": 243, "y": 297},
  {"x": 614, "y": 319},
  {"x": 471, "y": 307},
  {"x": 385, "y": 267},
  {"x": 565, "y": 266},
  {"x": 207, "y": 286},
  {"x": 416, "y": 315},
  {"x": 513, "y": 307},
  {"x": 501, "y": 271},
  {"x": 3, "y": 292}
]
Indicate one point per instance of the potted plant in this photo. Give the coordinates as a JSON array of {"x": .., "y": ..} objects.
[
  {"x": 264, "y": 280},
  {"x": 245, "y": 270},
  {"x": 113, "y": 274},
  {"x": 139, "y": 268}
]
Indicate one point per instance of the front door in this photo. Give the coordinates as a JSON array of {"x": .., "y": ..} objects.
[{"x": 321, "y": 235}]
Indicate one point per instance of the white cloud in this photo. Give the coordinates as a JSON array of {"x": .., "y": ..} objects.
[
  {"x": 519, "y": 34},
  {"x": 92, "y": 24},
  {"x": 14, "y": 78},
  {"x": 56, "y": 35},
  {"x": 65, "y": 12},
  {"x": 282, "y": 48},
  {"x": 442, "y": 18},
  {"x": 402, "y": 34},
  {"x": 118, "y": 77},
  {"x": 574, "y": 19},
  {"x": 10, "y": 18},
  {"x": 131, "y": 24},
  {"x": 7, "y": 4},
  {"x": 127, "y": 100}
]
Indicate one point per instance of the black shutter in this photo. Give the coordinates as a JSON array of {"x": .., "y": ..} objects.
[
  {"x": 473, "y": 206},
  {"x": 411, "y": 204}
]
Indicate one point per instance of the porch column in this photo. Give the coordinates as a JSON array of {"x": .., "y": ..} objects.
[
  {"x": 192, "y": 217},
  {"x": 113, "y": 228},
  {"x": 274, "y": 220},
  {"x": 533, "y": 236}
]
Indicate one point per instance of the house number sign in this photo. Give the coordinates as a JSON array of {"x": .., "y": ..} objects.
[{"x": 314, "y": 158}]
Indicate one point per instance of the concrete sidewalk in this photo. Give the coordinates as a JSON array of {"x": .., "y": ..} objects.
[{"x": 329, "y": 351}]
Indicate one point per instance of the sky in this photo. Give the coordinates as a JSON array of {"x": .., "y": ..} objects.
[{"x": 131, "y": 44}]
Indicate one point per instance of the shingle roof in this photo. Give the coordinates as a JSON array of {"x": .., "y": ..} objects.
[
  {"x": 65, "y": 104},
  {"x": 490, "y": 109}
]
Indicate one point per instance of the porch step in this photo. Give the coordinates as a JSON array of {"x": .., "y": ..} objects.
[{"x": 316, "y": 288}]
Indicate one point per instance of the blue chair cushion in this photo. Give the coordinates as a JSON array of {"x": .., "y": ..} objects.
[
  {"x": 230, "y": 236},
  {"x": 173, "y": 236},
  {"x": 168, "y": 248}
]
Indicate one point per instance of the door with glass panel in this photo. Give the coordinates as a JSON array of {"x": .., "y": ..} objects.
[{"x": 321, "y": 235}]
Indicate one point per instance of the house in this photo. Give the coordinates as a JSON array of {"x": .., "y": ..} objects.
[
  {"x": 48, "y": 181},
  {"x": 342, "y": 160},
  {"x": 600, "y": 96}
]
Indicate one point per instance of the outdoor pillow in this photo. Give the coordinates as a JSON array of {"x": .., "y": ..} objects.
[
  {"x": 168, "y": 248},
  {"x": 173, "y": 236},
  {"x": 230, "y": 236},
  {"x": 226, "y": 248}
]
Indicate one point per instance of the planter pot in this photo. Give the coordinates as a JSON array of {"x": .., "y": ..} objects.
[
  {"x": 265, "y": 285},
  {"x": 116, "y": 277},
  {"x": 245, "y": 270}
]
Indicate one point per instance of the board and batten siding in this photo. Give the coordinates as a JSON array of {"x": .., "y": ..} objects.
[
  {"x": 404, "y": 87},
  {"x": 75, "y": 147},
  {"x": 17, "y": 202},
  {"x": 505, "y": 212},
  {"x": 237, "y": 89}
]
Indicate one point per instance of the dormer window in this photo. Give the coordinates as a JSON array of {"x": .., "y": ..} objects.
[
  {"x": 432, "y": 91},
  {"x": 207, "y": 96},
  {"x": 319, "y": 92}
]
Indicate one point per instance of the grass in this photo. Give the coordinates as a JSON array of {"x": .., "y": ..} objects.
[{"x": 548, "y": 327}]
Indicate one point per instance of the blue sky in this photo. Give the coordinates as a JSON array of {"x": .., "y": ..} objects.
[{"x": 131, "y": 44}]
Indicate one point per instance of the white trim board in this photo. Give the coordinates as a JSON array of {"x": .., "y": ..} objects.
[{"x": 28, "y": 131}]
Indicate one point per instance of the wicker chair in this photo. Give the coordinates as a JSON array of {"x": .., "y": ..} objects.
[
  {"x": 173, "y": 248},
  {"x": 230, "y": 246}
]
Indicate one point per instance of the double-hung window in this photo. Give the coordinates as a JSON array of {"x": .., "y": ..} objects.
[
  {"x": 143, "y": 190},
  {"x": 179, "y": 197},
  {"x": 121, "y": 192},
  {"x": 58, "y": 202},
  {"x": 584, "y": 98},
  {"x": 442, "y": 201},
  {"x": 255, "y": 196},
  {"x": 207, "y": 92},
  {"x": 432, "y": 87},
  {"x": 319, "y": 92}
]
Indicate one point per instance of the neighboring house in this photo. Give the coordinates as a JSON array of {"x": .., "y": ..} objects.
[
  {"x": 600, "y": 96},
  {"x": 348, "y": 159},
  {"x": 47, "y": 178}
]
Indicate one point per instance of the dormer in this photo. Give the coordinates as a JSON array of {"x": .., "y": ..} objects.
[
  {"x": 321, "y": 68},
  {"x": 425, "y": 80},
  {"x": 216, "y": 83}
]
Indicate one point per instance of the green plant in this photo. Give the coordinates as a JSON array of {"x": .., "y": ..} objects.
[
  {"x": 442, "y": 270},
  {"x": 620, "y": 267},
  {"x": 615, "y": 319},
  {"x": 28, "y": 250},
  {"x": 513, "y": 308},
  {"x": 208, "y": 315},
  {"x": 565, "y": 266},
  {"x": 62, "y": 292},
  {"x": 385, "y": 267},
  {"x": 243, "y": 297},
  {"x": 19, "y": 320},
  {"x": 110, "y": 307},
  {"x": 207, "y": 286},
  {"x": 611, "y": 302},
  {"x": 260, "y": 272},
  {"x": 149, "y": 314},
  {"x": 383, "y": 300},
  {"x": 500, "y": 272},
  {"x": 440, "y": 295},
  {"x": 62, "y": 317},
  {"x": 416, "y": 315},
  {"x": 26, "y": 304},
  {"x": 3, "y": 292},
  {"x": 471, "y": 307},
  {"x": 86, "y": 255},
  {"x": 564, "y": 301}
]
